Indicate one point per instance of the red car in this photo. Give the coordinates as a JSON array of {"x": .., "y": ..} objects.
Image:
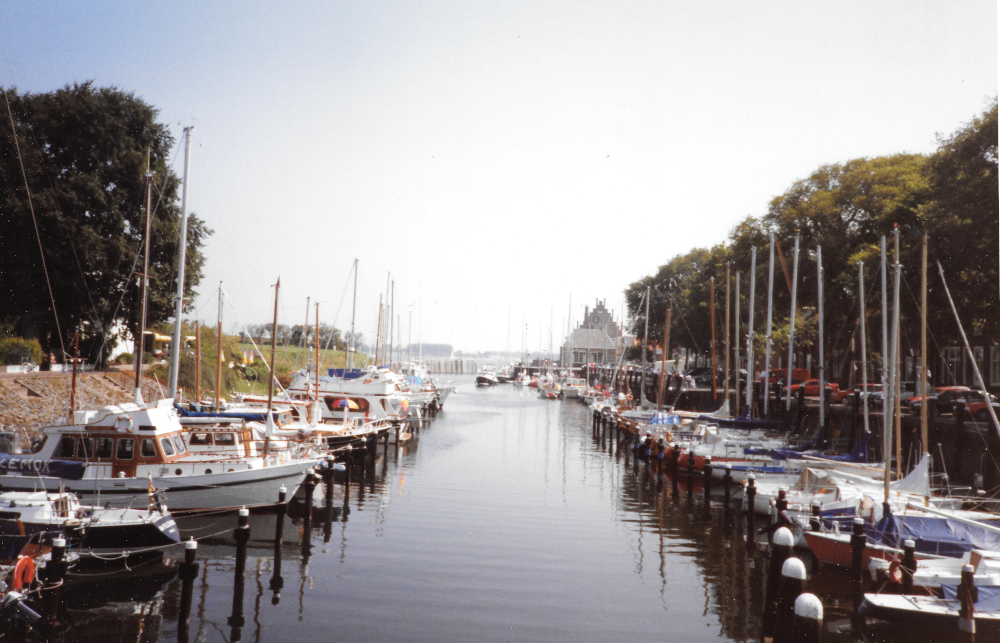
[
  {"x": 847, "y": 395},
  {"x": 812, "y": 387}
]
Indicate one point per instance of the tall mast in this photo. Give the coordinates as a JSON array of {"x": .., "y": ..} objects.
[
  {"x": 378, "y": 333},
  {"x": 864, "y": 345},
  {"x": 409, "y": 334},
  {"x": 218, "y": 358},
  {"x": 791, "y": 326},
  {"x": 76, "y": 360},
  {"x": 140, "y": 338},
  {"x": 715, "y": 388},
  {"x": 175, "y": 347},
  {"x": 736, "y": 345},
  {"x": 890, "y": 404},
  {"x": 897, "y": 378},
  {"x": 923, "y": 346},
  {"x": 666, "y": 350},
  {"x": 750, "y": 364},
  {"x": 274, "y": 347},
  {"x": 725, "y": 340},
  {"x": 645, "y": 339},
  {"x": 822, "y": 364},
  {"x": 316, "y": 411},
  {"x": 197, "y": 362},
  {"x": 354, "y": 338},
  {"x": 392, "y": 319},
  {"x": 886, "y": 426},
  {"x": 767, "y": 340}
]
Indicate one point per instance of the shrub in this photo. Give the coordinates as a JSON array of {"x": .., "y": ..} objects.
[{"x": 16, "y": 350}]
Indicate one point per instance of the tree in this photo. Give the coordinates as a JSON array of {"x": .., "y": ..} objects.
[{"x": 85, "y": 152}]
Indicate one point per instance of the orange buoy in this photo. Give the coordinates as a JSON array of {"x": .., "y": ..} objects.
[{"x": 23, "y": 574}]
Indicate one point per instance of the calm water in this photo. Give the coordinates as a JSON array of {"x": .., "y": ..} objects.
[{"x": 504, "y": 520}]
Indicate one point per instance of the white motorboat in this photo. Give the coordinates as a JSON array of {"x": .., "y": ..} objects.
[{"x": 126, "y": 448}]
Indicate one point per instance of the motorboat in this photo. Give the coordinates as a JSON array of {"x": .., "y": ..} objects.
[
  {"x": 367, "y": 394},
  {"x": 487, "y": 377},
  {"x": 122, "y": 450}
]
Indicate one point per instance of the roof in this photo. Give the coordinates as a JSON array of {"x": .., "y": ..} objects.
[{"x": 592, "y": 338}]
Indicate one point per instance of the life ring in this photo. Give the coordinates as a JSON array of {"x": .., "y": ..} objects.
[
  {"x": 368, "y": 381},
  {"x": 124, "y": 424},
  {"x": 23, "y": 574}
]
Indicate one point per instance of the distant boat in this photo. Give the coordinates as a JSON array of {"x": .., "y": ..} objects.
[{"x": 487, "y": 377}]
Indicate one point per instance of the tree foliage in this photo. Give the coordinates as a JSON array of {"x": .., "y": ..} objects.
[
  {"x": 846, "y": 209},
  {"x": 85, "y": 152}
]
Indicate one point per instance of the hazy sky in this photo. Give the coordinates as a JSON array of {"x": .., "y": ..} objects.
[{"x": 506, "y": 155}]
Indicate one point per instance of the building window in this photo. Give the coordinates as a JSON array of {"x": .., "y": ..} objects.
[
  {"x": 994, "y": 365},
  {"x": 979, "y": 353}
]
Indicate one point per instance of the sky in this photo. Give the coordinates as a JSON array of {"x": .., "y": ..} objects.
[{"x": 504, "y": 161}]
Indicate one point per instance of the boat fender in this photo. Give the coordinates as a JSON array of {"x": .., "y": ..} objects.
[
  {"x": 24, "y": 573},
  {"x": 124, "y": 424},
  {"x": 895, "y": 573},
  {"x": 368, "y": 381}
]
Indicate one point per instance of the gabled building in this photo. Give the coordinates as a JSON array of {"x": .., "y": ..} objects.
[{"x": 594, "y": 339}]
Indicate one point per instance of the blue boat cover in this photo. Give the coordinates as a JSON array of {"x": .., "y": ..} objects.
[
  {"x": 664, "y": 418},
  {"x": 28, "y": 465},
  {"x": 989, "y": 597},
  {"x": 859, "y": 454},
  {"x": 934, "y": 535},
  {"x": 248, "y": 417},
  {"x": 743, "y": 421},
  {"x": 414, "y": 380},
  {"x": 347, "y": 374}
]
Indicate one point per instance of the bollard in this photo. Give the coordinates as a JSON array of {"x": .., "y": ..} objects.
[
  {"x": 349, "y": 463},
  {"x": 780, "y": 505},
  {"x": 750, "y": 497},
  {"x": 279, "y": 525},
  {"x": 791, "y": 585},
  {"x": 807, "y": 619},
  {"x": 690, "y": 476},
  {"x": 242, "y": 536},
  {"x": 309, "y": 486},
  {"x": 708, "y": 480},
  {"x": 909, "y": 565},
  {"x": 968, "y": 595},
  {"x": 858, "y": 542},
  {"x": 55, "y": 573},
  {"x": 187, "y": 573},
  {"x": 727, "y": 481},
  {"x": 814, "y": 521},
  {"x": 781, "y": 550}
]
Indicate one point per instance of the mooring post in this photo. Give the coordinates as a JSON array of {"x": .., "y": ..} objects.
[
  {"x": 187, "y": 573},
  {"x": 707, "y": 469},
  {"x": 909, "y": 565},
  {"x": 241, "y": 535},
  {"x": 279, "y": 525},
  {"x": 814, "y": 520},
  {"x": 858, "y": 543},
  {"x": 690, "y": 476},
  {"x": 55, "y": 573},
  {"x": 968, "y": 595},
  {"x": 727, "y": 482},
  {"x": 781, "y": 550},
  {"x": 749, "y": 504},
  {"x": 807, "y": 619},
  {"x": 791, "y": 585}
]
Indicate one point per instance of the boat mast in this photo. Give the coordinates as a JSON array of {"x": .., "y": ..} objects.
[
  {"x": 896, "y": 362},
  {"x": 890, "y": 403},
  {"x": 715, "y": 388},
  {"x": 354, "y": 338},
  {"x": 750, "y": 364},
  {"x": 197, "y": 361},
  {"x": 175, "y": 347},
  {"x": 218, "y": 358},
  {"x": 725, "y": 341},
  {"x": 822, "y": 364},
  {"x": 378, "y": 331},
  {"x": 392, "y": 319},
  {"x": 137, "y": 361},
  {"x": 791, "y": 326},
  {"x": 270, "y": 381},
  {"x": 767, "y": 339},
  {"x": 864, "y": 345},
  {"x": 666, "y": 349},
  {"x": 886, "y": 427},
  {"x": 76, "y": 360},
  {"x": 923, "y": 348},
  {"x": 736, "y": 345},
  {"x": 316, "y": 410},
  {"x": 645, "y": 339}
]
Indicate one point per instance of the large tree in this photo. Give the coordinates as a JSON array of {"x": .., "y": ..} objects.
[{"x": 85, "y": 151}]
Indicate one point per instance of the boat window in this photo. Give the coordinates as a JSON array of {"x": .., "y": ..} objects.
[
  {"x": 104, "y": 446},
  {"x": 200, "y": 439},
  {"x": 168, "y": 448},
  {"x": 179, "y": 443},
  {"x": 66, "y": 447},
  {"x": 126, "y": 448},
  {"x": 225, "y": 439},
  {"x": 147, "y": 450},
  {"x": 85, "y": 448}
]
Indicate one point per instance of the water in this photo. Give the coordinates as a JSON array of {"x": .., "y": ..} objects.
[{"x": 503, "y": 520}]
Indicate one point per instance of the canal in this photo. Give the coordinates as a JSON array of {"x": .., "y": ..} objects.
[{"x": 504, "y": 519}]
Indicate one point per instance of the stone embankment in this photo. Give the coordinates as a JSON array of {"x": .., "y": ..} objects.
[{"x": 31, "y": 401}]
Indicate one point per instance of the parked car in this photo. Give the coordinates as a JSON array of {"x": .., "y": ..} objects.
[
  {"x": 951, "y": 398},
  {"x": 778, "y": 375},
  {"x": 846, "y": 396},
  {"x": 812, "y": 387}
]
